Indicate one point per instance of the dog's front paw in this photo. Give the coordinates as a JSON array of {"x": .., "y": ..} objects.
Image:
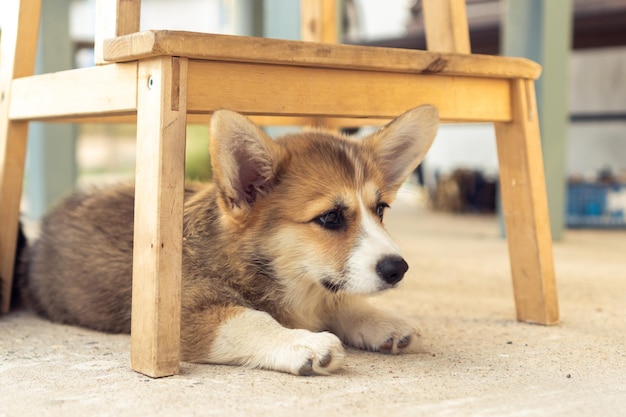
[
  {"x": 386, "y": 335},
  {"x": 312, "y": 354}
]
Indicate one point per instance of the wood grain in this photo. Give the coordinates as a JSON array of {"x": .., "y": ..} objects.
[
  {"x": 318, "y": 21},
  {"x": 312, "y": 54},
  {"x": 18, "y": 48},
  {"x": 446, "y": 26},
  {"x": 157, "y": 254},
  {"x": 66, "y": 95},
  {"x": 260, "y": 89},
  {"x": 525, "y": 209},
  {"x": 114, "y": 18}
]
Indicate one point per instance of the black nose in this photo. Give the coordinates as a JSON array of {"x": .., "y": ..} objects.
[{"x": 391, "y": 269}]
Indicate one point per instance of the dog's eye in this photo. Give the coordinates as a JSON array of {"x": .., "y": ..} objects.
[
  {"x": 380, "y": 210},
  {"x": 332, "y": 219}
]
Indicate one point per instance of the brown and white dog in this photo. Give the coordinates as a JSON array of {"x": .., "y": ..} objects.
[{"x": 277, "y": 252}]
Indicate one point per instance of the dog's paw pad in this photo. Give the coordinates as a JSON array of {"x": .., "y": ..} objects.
[
  {"x": 326, "y": 360},
  {"x": 387, "y": 346},
  {"x": 399, "y": 344},
  {"x": 312, "y": 365},
  {"x": 307, "y": 368},
  {"x": 404, "y": 342},
  {"x": 319, "y": 353}
]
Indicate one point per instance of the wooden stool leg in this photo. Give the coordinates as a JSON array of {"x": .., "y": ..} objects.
[
  {"x": 525, "y": 209},
  {"x": 12, "y": 157},
  {"x": 18, "y": 48},
  {"x": 157, "y": 256}
]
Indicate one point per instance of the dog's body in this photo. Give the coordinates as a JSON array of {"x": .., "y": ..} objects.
[{"x": 275, "y": 253}]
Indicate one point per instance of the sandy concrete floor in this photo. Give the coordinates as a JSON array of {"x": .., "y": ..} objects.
[{"x": 480, "y": 361}]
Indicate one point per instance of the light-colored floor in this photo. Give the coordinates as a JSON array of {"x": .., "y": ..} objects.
[{"x": 480, "y": 361}]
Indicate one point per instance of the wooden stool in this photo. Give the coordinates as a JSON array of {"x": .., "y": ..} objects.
[{"x": 164, "y": 79}]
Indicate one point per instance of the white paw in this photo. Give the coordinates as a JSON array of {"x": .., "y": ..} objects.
[
  {"x": 386, "y": 335},
  {"x": 311, "y": 354}
]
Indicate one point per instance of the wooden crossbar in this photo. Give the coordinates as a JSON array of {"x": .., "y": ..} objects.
[{"x": 264, "y": 89}]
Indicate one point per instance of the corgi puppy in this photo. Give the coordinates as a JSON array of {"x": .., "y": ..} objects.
[{"x": 278, "y": 252}]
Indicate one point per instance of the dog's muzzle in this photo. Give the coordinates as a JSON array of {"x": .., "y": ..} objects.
[{"x": 391, "y": 269}]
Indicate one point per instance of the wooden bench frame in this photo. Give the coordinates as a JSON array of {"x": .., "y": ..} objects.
[{"x": 165, "y": 79}]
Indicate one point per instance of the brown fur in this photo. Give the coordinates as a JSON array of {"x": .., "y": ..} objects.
[{"x": 251, "y": 240}]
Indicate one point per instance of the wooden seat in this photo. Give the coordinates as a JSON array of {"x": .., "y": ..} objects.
[{"x": 165, "y": 79}]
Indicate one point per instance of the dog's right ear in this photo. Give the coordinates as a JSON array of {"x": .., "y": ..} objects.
[
  {"x": 244, "y": 159},
  {"x": 402, "y": 144}
]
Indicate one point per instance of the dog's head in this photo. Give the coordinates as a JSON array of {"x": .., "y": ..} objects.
[{"x": 313, "y": 203}]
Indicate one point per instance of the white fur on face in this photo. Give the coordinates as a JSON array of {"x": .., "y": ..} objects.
[{"x": 373, "y": 244}]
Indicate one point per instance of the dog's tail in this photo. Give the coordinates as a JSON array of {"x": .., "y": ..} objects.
[{"x": 19, "y": 270}]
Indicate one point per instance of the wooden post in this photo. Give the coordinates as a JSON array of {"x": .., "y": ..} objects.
[
  {"x": 318, "y": 21},
  {"x": 525, "y": 209},
  {"x": 159, "y": 193},
  {"x": 114, "y": 18},
  {"x": 18, "y": 48},
  {"x": 445, "y": 22}
]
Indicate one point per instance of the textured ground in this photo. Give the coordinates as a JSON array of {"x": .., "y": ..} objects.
[{"x": 480, "y": 361}]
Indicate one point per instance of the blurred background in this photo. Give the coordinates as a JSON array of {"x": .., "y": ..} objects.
[{"x": 582, "y": 98}]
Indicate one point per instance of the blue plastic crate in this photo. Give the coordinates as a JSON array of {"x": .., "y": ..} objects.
[{"x": 596, "y": 205}]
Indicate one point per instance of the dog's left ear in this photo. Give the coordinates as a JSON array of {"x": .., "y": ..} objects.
[
  {"x": 401, "y": 145},
  {"x": 244, "y": 159}
]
